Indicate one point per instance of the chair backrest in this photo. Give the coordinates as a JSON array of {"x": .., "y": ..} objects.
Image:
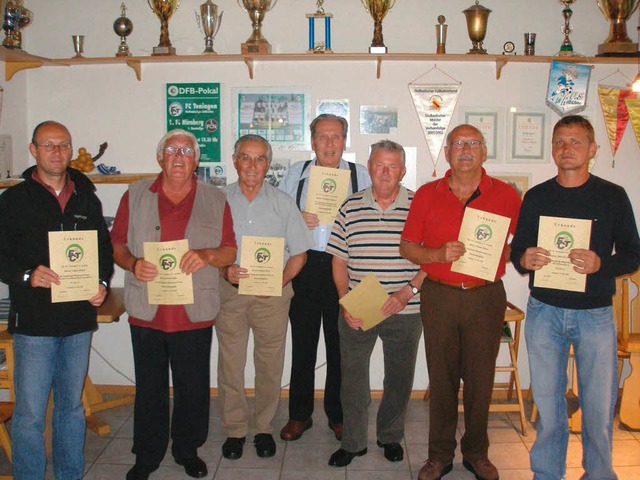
[{"x": 626, "y": 307}]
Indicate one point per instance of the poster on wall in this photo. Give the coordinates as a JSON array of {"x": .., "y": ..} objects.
[
  {"x": 195, "y": 107},
  {"x": 277, "y": 114}
]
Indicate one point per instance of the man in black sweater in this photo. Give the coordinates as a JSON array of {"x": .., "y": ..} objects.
[{"x": 570, "y": 301}]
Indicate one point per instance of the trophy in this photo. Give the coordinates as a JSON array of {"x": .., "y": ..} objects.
[
  {"x": 16, "y": 16},
  {"x": 211, "y": 23},
  {"x": 320, "y": 47},
  {"x": 477, "y": 17},
  {"x": 123, "y": 28},
  {"x": 566, "y": 49},
  {"x": 78, "y": 45},
  {"x": 164, "y": 9},
  {"x": 256, "y": 9},
  {"x": 529, "y": 43},
  {"x": 441, "y": 34},
  {"x": 378, "y": 9},
  {"x": 618, "y": 12}
]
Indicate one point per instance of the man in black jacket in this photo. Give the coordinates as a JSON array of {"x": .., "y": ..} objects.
[{"x": 51, "y": 340}]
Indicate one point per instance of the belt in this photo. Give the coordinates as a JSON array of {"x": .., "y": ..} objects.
[{"x": 461, "y": 285}]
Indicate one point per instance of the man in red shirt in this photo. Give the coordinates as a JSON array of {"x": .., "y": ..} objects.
[{"x": 462, "y": 315}]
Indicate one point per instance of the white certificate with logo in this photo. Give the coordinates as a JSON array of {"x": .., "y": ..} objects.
[
  {"x": 483, "y": 235},
  {"x": 171, "y": 286},
  {"x": 73, "y": 255},
  {"x": 328, "y": 187},
  {"x": 559, "y": 236},
  {"x": 263, "y": 257}
]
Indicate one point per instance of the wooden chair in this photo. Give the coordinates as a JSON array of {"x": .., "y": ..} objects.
[
  {"x": 628, "y": 318},
  {"x": 6, "y": 411}
]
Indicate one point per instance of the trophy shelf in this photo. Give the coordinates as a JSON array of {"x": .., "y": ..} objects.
[
  {"x": 122, "y": 178},
  {"x": 16, "y": 61}
]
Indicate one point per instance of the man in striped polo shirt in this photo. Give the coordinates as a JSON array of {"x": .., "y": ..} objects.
[{"x": 365, "y": 238}]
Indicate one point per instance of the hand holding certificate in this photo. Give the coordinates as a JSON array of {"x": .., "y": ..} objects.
[
  {"x": 328, "y": 187},
  {"x": 365, "y": 302},
  {"x": 263, "y": 257},
  {"x": 73, "y": 255},
  {"x": 171, "y": 286}
]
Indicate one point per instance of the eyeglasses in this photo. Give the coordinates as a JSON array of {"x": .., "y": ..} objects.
[
  {"x": 472, "y": 144},
  {"x": 50, "y": 147},
  {"x": 247, "y": 159},
  {"x": 183, "y": 151}
]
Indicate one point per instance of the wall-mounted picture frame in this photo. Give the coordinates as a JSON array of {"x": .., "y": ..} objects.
[
  {"x": 490, "y": 121},
  {"x": 520, "y": 181},
  {"x": 528, "y": 136}
]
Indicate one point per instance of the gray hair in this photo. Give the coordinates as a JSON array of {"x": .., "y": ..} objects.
[
  {"x": 253, "y": 138},
  {"x": 178, "y": 132},
  {"x": 389, "y": 146},
  {"x": 329, "y": 116}
]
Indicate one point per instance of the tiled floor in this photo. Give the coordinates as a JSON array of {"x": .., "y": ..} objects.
[{"x": 110, "y": 457}]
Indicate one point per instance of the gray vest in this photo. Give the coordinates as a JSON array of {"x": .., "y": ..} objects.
[{"x": 204, "y": 230}]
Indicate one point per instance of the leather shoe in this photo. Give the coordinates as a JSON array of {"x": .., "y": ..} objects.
[
  {"x": 265, "y": 445},
  {"x": 392, "y": 451},
  {"x": 139, "y": 472},
  {"x": 483, "y": 469},
  {"x": 342, "y": 458},
  {"x": 294, "y": 429},
  {"x": 337, "y": 429},
  {"x": 232, "y": 447},
  {"x": 193, "y": 466},
  {"x": 434, "y": 470}
]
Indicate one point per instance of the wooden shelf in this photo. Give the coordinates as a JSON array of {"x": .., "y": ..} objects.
[
  {"x": 16, "y": 60},
  {"x": 125, "y": 178}
]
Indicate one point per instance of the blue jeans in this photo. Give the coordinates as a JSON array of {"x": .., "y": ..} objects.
[
  {"x": 43, "y": 363},
  {"x": 549, "y": 332}
]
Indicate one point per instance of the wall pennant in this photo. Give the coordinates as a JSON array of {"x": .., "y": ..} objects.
[
  {"x": 568, "y": 86},
  {"x": 633, "y": 108},
  {"x": 614, "y": 111}
]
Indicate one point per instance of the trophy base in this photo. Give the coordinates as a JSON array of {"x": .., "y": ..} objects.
[
  {"x": 378, "y": 50},
  {"x": 163, "y": 51},
  {"x": 618, "y": 49},
  {"x": 123, "y": 54},
  {"x": 259, "y": 48},
  {"x": 441, "y": 50},
  {"x": 477, "y": 51},
  {"x": 320, "y": 52}
]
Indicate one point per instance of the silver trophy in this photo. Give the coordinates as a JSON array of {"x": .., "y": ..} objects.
[
  {"x": 211, "y": 22},
  {"x": 78, "y": 45},
  {"x": 123, "y": 28},
  {"x": 441, "y": 35}
]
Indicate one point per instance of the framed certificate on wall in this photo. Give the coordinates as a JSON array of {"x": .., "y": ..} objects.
[{"x": 528, "y": 137}]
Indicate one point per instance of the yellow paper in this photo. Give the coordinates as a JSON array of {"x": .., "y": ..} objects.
[
  {"x": 559, "y": 236},
  {"x": 263, "y": 257},
  {"x": 73, "y": 255},
  {"x": 365, "y": 302},
  {"x": 483, "y": 235},
  {"x": 328, "y": 187},
  {"x": 171, "y": 286}
]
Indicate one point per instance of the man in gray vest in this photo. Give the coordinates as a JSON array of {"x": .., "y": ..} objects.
[
  {"x": 171, "y": 207},
  {"x": 316, "y": 301}
]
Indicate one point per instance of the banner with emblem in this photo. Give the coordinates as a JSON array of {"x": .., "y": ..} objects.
[
  {"x": 633, "y": 107},
  {"x": 435, "y": 105},
  {"x": 568, "y": 87},
  {"x": 615, "y": 113}
]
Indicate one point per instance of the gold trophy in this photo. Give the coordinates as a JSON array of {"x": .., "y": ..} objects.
[
  {"x": 211, "y": 22},
  {"x": 477, "y": 17},
  {"x": 618, "y": 42},
  {"x": 566, "y": 49},
  {"x": 257, "y": 9},
  {"x": 164, "y": 9},
  {"x": 16, "y": 16},
  {"x": 378, "y": 9}
]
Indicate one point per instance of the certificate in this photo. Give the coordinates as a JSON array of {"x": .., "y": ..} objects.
[
  {"x": 365, "y": 302},
  {"x": 328, "y": 187},
  {"x": 171, "y": 286},
  {"x": 528, "y": 137},
  {"x": 73, "y": 255},
  {"x": 263, "y": 257},
  {"x": 483, "y": 235},
  {"x": 559, "y": 236}
]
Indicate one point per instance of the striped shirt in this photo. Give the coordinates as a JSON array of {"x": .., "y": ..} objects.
[{"x": 368, "y": 239}]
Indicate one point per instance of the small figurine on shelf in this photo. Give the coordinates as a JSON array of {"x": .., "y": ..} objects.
[{"x": 16, "y": 16}]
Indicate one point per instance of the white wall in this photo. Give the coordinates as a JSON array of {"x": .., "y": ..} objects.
[{"x": 106, "y": 103}]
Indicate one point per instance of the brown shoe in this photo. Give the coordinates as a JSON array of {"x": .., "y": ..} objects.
[
  {"x": 483, "y": 469},
  {"x": 294, "y": 429},
  {"x": 337, "y": 429},
  {"x": 434, "y": 470}
]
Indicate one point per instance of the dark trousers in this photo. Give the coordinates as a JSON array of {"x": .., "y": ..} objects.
[
  {"x": 188, "y": 354},
  {"x": 314, "y": 304},
  {"x": 462, "y": 331}
]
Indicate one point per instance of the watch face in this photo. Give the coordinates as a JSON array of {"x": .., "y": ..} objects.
[{"x": 508, "y": 47}]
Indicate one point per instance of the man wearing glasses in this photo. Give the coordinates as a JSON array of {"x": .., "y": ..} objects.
[
  {"x": 171, "y": 207},
  {"x": 462, "y": 315},
  {"x": 260, "y": 210},
  {"x": 51, "y": 340}
]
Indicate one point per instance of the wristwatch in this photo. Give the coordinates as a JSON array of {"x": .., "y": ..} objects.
[
  {"x": 413, "y": 288},
  {"x": 27, "y": 276}
]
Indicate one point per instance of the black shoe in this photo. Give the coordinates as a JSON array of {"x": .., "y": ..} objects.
[
  {"x": 392, "y": 451},
  {"x": 139, "y": 472},
  {"x": 232, "y": 447},
  {"x": 342, "y": 458},
  {"x": 193, "y": 466},
  {"x": 265, "y": 445}
]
